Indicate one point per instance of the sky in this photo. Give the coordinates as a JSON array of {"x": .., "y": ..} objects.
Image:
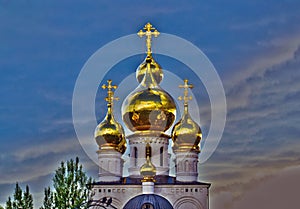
[{"x": 253, "y": 45}]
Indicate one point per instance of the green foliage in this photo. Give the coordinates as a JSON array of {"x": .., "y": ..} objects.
[
  {"x": 18, "y": 199},
  {"x": 71, "y": 186},
  {"x": 9, "y": 204},
  {"x": 21, "y": 200},
  {"x": 1, "y": 207},
  {"x": 27, "y": 199},
  {"x": 48, "y": 199}
]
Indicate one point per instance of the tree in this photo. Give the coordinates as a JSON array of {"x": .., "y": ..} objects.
[
  {"x": 20, "y": 199},
  {"x": 27, "y": 199},
  {"x": 48, "y": 199},
  {"x": 9, "y": 204},
  {"x": 71, "y": 186}
]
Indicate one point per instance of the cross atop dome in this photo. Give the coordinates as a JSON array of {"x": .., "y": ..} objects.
[
  {"x": 186, "y": 96},
  {"x": 110, "y": 94},
  {"x": 149, "y": 32}
]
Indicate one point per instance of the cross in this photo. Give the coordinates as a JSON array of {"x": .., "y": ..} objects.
[
  {"x": 186, "y": 96},
  {"x": 149, "y": 31},
  {"x": 110, "y": 94}
]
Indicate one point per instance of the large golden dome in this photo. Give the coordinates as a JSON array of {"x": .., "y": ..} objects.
[
  {"x": 109, "y": 134},
  {"x": 186, "y": 134},
  {"x": 149, "y": 107}
]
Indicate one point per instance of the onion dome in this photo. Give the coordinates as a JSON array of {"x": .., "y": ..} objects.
[
  {"x": 186, "y": 134},
  {"x": 109, "y": 134},
  {"x": 148, "y": 170},
  {"x": 148, "y": 201},
  {"x": 154, "y": 67},
  {"x": 148, "y": 107}
]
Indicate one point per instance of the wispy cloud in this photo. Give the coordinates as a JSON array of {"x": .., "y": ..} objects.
[
  {"x": 33, "y": 161},
  {"x": 261, "y": 136},
  {"x": 276, "y": 193},
  {"x": 278, "y": 51},
  {"x": 232, "y": 181},
  {"x": 262, "y": 22}
]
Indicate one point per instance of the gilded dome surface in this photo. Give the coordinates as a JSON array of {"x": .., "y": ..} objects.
[
  {"x": 186, "y": 134},
  {"x": 149, "y": 107},
  {"x": 148, "y": 170},
  {"x": 109, "y": 134},
  {"x": 154, "y": 67}
]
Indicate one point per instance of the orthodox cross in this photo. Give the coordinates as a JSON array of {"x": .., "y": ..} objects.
[
  {"x": 110, "y": 94},
  {"x": 186, "y": 96},
  {"x": 149, "y": 32}
]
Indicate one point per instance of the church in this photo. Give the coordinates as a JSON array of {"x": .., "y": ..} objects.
[{"x": 149, "y": 112}]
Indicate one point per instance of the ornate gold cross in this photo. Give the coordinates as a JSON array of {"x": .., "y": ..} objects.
[
  {"x": 186, "y": 96},
  {"x": 149, "y": 32},
  {"x": 110, "y": 94}
]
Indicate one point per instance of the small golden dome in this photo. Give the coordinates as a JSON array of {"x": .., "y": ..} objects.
[
  {"x": 148, "y": 170},
  {"x": 186, "y": 134},
  {"x": 109, "y": 134},
  {"x": 149, "y": 107},
  {"x": 155, "y": 69}
]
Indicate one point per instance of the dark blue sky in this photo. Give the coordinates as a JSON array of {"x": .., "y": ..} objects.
[{"x": 254, "y": 46}]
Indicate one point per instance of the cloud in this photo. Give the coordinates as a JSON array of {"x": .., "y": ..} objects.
[
  {"x": 263, "y": 22},
  {"x": 276, "y": 52},
  {"x": 32, "y": 161},
  {"x": 265, "y": 97},
  {"x": 260, "y": 145},
  {"x": 279, "y": 192},
  {"x": 38, "y": 173},
  {"x": 232, "y": 181}
]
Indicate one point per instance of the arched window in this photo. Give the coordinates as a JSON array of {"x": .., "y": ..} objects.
[
  {"x": 161, "y": 156},
  {"x": 179, "y": 166},
  {"x": 186, "y": 166},
  {"x": 135, "y": 155},
  {"x": 109, "y": 166}
]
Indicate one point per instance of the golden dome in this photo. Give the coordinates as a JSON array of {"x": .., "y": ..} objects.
[
  {"x": 186, "y": 134},
  {"x": 109, "y": 134},
  {"x": 148, "y": 170},
  {"x": 149, "y": 107},
  {"x": 155, "y": 69}
]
